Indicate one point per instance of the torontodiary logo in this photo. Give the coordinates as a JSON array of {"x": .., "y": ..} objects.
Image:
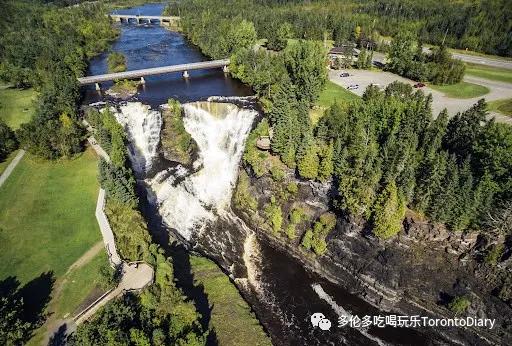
[{"x": 318, "y": 320}]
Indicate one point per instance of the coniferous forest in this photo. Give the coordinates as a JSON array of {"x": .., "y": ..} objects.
[
  {"x": 479, "y": 25},
  {"x": 384, "y": 153}
]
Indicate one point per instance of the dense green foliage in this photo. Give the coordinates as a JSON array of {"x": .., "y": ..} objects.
[
  {"x": 159, "y": 316},
  {"x": 407, "y": 59},
  {"x": 116, "y": 177},
  {"x": 314, "y": 239},
  {"x": 481, "y": 25},
  {"x": 452, "y": 170},
  {"x": 177, "y": 144},
  {"x": 288, "y": 84},
  {"x": 47, "y": 47},
  {"x": 14, "y": 327},
  {"x": 8, "y": 141}
]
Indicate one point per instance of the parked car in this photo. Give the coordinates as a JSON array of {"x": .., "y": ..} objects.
[
  {"x": 353, "y": 87},
  {"x": 344, "y": 74},
  {"x": 419, "y": 85}
]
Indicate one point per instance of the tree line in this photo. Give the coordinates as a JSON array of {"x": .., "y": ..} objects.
[
  {"x": 47, "y": 47},
  {"x": 483, "y": 25},
  {"x": 407, "y": 58}
]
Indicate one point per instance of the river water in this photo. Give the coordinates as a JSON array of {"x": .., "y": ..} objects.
[{"x": 281, "y": 291}]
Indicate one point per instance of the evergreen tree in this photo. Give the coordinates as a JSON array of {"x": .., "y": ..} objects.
[
  {"x": 307, "y": 158},
  {"x": 389, "y": 212},
  {"x": 326, "y": 167},
  {"x": 463, "y": 130}
]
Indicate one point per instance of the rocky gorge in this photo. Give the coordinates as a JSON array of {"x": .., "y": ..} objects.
[{"x": 218, "y": 207}]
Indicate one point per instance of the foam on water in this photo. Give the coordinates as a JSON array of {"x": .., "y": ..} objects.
[
  {"x": 220, "y": 131},
  {"x": 142, "y": 126},
  {"x": 341, "y": 312}
]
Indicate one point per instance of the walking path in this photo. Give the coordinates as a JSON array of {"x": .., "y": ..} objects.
[
  {"x": 135, "y": 277},
  {"x": 106, "y": 231},
  {"x": 11, "y": 166}
]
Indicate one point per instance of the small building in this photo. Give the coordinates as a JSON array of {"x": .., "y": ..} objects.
[{"x": 345, "y": 51}]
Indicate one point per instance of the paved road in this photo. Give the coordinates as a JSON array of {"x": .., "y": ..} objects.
[
  {"x": 11, "y": 167},
  {"x": 473, "y": 59},
  {"x": 498, "y": 90}
]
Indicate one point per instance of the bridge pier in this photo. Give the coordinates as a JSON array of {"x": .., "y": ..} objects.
[
  {"x": 142, "y": 80},
  {"x": 185, "y": 74},
  {"x": 225, "y": 69},
  {"x": 97, "y": 85}
]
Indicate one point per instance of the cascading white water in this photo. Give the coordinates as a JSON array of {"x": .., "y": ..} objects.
[
  {"x": 143, "y": 127},
  {"x": 220, "y": 131}
]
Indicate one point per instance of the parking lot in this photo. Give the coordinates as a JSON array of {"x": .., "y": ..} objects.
[{"x": 363, "y": 78}]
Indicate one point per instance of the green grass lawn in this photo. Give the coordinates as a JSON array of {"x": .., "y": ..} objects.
[
  {"x": 462, "y": 90},
  {"x": 332, "y": 93},
  {"x": 47, "y": 216},
  {"x": 79, "y": 284},
  {"x": 501, "y": 106},
  {"x": 489, "y": 72},
  {"x": 335, "y": 93},
  {"x": 16, "y": 106},
  {"x": 231, "y": 316}
]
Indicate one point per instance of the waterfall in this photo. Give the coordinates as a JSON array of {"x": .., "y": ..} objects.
[
  {"x": 220, "y": 130},
  {"x": 142, "y": 126}
]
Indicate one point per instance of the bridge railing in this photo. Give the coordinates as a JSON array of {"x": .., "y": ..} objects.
[{"x": 154, "y": 71}]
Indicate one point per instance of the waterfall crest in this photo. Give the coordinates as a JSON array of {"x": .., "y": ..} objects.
[{"x": 220, "y": 130}]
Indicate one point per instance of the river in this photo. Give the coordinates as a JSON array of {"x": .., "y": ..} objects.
[{"x": 281, "y": 291}]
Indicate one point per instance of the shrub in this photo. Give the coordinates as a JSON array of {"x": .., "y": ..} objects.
[
  {"x": 494, "y": 254},
  {"x": 275, "y": 215},
  {"x": 243, "y": 197},
  {"x": 292, "y": 187},
  {"x": 8, "y": 142},
  {"x": 459, "y": 304}
]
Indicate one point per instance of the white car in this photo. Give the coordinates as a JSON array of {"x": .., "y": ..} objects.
[{"x": 353, "y": 87}]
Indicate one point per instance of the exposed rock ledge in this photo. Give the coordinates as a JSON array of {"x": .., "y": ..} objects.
[{"x": 412, "y": 274}]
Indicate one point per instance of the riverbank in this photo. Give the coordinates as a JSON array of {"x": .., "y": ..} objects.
[{"x": 415, "y": 273}]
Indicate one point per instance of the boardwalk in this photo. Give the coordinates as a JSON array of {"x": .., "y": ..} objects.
[{"x": 154, "y": 71}]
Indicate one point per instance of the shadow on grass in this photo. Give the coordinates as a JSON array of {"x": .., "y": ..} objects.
[
  {"x": 59, "y": 337},
  {"x": 24, "y": 308}
]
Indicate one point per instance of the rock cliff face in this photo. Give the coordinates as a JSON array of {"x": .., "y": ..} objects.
[{"x": 416, "y": 273}]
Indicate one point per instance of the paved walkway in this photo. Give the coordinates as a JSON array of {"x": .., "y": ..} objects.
[
  {"x": 11, "y": 166},
  {"x": 498, "y": 90},
  {"x": 135, "y": 277},
  {"x": 106, "y": 231}
]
